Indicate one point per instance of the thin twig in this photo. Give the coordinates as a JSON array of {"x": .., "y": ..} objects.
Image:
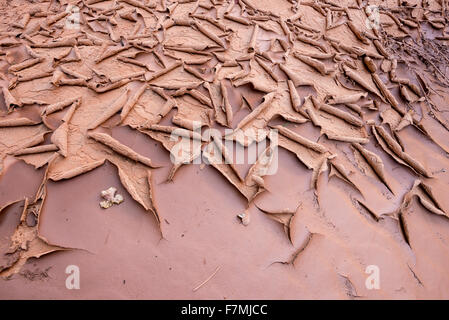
[{"x": 205, "y": 281}]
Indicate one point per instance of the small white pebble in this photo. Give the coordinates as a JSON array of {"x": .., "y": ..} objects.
[
  {"x": 110, "y": 197},
  {"x": 109, "y": 193},
  {"x": 118, "y": 199},
  {"x": 105, "y": 204},
  {"x": 244, "y": 217}
]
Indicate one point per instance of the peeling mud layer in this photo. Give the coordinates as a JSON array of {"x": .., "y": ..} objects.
[{"x": 96, "y": 95}]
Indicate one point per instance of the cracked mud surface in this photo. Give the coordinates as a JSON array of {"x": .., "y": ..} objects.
[{"x": 362, "y": 158}]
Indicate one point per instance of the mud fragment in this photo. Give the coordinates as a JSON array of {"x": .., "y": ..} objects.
[{"x": 125, "y": 151}]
